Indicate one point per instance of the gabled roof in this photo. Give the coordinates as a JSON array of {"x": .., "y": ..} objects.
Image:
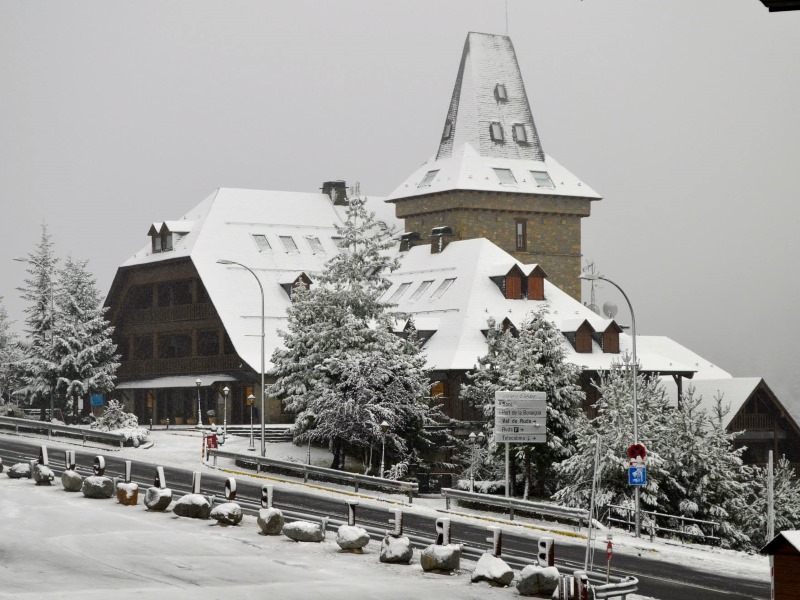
[{"x": 784, "y": 538}]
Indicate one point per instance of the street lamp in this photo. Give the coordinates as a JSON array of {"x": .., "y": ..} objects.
[
  {"x": 384, "y": 429},
  {"x": 225, "y": 392},
  {"x": 594, "y": 277},
  {"x": 51, "y": 290},
  {"x": 472, "y": 439},
  {"x": 250, "y": 400},
  {"x": 223, "y": 261},
  {"x": 198, "y": 383}
]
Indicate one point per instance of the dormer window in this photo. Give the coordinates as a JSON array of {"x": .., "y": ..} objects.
[
  {"x": 505, "y": 176},
  {"x": 261, "y": 241},
  {"x": 542, "y": 179},
  {"x": 448, "y": 129},
  {"x": 609, "y": 341},
  {"x": 289, "y": 244},
  {"x": 520, "y": 133},
  {"x": 496, "y": 132},
  {"x": 428, "y": 179},
  {"x": 500, "y": 92},
  {"x": 512, "y": 288},
  {"x": 536, "y": 283},
  {"x": 579, "y": 334},
  {"x": 302, "y": 280}
]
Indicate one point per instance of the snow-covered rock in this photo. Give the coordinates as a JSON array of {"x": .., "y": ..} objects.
[
  {"x": 96, "y": 486},
  {"x": 20, "y": 471},
  {"x": 441, "y": 559},
  {"x": 270, "y": 520},
  {"x": 71, "y": 481},
  {"x": 127, "y": 493},
  {"x": 304, "y": 531},
  {"x": 538, "y": 581},
  {"x": 156, "y": 498},
  {"x": 352, "y": 537},
  {"x": 494, "y": 570},
  {"x": 43, "y": 475},
  {"x": 228, "y": 513},
  {"x": 396, "y": 550},
  {"x": 194, "y": 506}
]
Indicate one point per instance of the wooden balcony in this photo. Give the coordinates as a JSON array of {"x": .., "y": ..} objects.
[
  {"x": 171, "y": 314},
  {"x": 180, "y": 366},
  {"x": 752, "y": 423}
]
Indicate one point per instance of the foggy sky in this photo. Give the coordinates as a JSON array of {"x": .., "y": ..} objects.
[{"x": 682, "y": 114}]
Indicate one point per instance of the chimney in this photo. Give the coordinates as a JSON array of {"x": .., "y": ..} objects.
[
  {"x": 337, "y": 190},
  {"x": 409, "y": 240},
  {"x": 440, "y": 236}
]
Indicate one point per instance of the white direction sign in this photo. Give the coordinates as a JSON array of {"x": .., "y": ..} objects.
[{"x": 520, "y": 417}]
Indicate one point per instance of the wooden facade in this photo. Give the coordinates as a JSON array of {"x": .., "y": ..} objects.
[{"x": 784, "y": 555}]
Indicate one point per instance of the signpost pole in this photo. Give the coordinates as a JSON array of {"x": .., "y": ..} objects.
[{"x": 508, "y": 474}]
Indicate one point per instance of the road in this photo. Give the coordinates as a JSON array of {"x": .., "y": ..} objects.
[{"x": 657, "y": 578}]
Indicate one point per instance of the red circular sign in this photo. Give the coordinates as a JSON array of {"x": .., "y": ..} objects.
[
  {"x": 637, "y": 451},
  {"x": 609, "y": 551}
]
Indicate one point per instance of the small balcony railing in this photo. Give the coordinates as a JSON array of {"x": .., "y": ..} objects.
[
  {"x": 752, "y": 422},
  {"x": 180, "y": 366},
  {"x": 171, "y": 314}
]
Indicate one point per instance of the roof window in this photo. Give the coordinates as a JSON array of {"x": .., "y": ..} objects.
[
  {"x": 520, "y": 134},
  {"x": 500, "y": 92},
  {"x": 505, "y": 176},
  {"x": 338, "y": 241},
  {"x": 448, "y": 129},
  {"x": 496, "y": 132},
  {"x": 262, "y": 242},
  {"x": 288, "y": 243},
  {"x": 421, "y": 289},
  {"x": 542, "y": 179},
  {"x": 315, "y": 244},
  {"x": 428, "y": 179},
  {"x": 399, "y": 291},
  {"x": 443, "y": 287}
]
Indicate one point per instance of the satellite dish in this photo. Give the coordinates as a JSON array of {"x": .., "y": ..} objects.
[
  {"x": 594, "y": 308},
  {"x": 610, "y": 309}
]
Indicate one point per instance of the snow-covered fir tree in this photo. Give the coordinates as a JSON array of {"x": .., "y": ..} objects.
[
  {"x": 341, "y": 369},
  {"x": 786, "y": 501},
  {"x": 10, "y": 355},
  {"x": 532, "y": 360},
  {"x": 87, "y": 356},
  {"x": 39, "y": 367}
]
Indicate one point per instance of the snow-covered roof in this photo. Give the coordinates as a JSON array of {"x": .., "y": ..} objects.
[
  {"x": 790, "y": 537},
  {"x": 472, "y": 297},
  {"x": 734, "y": 391}
]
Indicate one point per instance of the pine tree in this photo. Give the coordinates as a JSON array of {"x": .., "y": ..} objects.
[
  {"x": 39, "y": 367},
  {"x": 341, "y": 369},
  {"x": 86, "y": 353},
  {"x": 10, "y": 355},
  {"x": 786, "y": 502}
]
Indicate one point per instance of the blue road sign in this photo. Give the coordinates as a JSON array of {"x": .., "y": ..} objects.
[
  {"x": 96, "y": 399},
  {"x": 637, "y": 475}
]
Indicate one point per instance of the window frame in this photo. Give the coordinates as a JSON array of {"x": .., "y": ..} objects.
[
  {"x": 500, "y": 92},
  {"x": 505, "y": 172},
  {"x": 261, "y": 248},
  {"x": 428, "y": 178},
  {"x": 443, "y": 287},
  {"x": 496, "y": 131},
  {"x": 541, "y": 184},
  {"x": 518, "y": 128},
  {"x": 423, "y": 287},
  {"x": 283, "y": 239},
  {"x": 521, "y": 234}
]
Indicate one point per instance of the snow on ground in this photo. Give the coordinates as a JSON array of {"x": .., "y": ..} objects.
[{"x": 183, "y": 448}]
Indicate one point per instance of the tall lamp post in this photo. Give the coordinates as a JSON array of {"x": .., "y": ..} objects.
[
  {"x": 594, "y": 277},
  {"x": 225, "y": 392},
  {"x": 223, "y": 261},
  {"x": 198, "y": 383},
  {"x": 472, "y": 440},
  {"x": 384, "y": 429},
  {"x": 250, "y": 400},
  {"x": 51, "y": 291}
]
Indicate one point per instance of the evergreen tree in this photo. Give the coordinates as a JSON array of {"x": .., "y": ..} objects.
[
  {"x": 10, "y": 355},
  {"x": 341, "y": 369},
  {"x": 87, "y": 355},
  {"x": 786, "y": 502},
  {"x": 39, "y": 367}
]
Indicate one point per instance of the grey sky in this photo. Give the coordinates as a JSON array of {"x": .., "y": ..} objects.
[{"x": 682, "y": 114}]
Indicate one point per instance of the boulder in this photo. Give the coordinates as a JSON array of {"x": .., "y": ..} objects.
[
  {"x": 127, "y": 493},
  {"x": 194, "y": 506},
  {"x": 304, "y": 531},
  {"x": 352, "y": 538},
  {"x": 20, "y": 471},
  {"x": 71, "y": 481},
  {"x": 493, "y": 570},
  {"x": 396, "y": 550},
  {"x": 96, "y": 486},
  {"x": 441, "y": 559},
  {"x": 538, "y": 581},
  {"x": 156, "y": 498},
  {"x": 228, "y": 513},
  {"x": 43, "y": 475},
  {"x": 270, "y": 520}
]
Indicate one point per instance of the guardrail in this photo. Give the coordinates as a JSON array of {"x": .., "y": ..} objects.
[
  {"x": 356, "y": 479},
  {"x": 540, "y": 508},
  {"x": 51, "y": 428},
  {"x": 675, "y": 524},
  {"x": 621, "y": 588}
]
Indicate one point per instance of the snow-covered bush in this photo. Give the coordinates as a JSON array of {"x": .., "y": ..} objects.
[{"x": 117, "y": 420}]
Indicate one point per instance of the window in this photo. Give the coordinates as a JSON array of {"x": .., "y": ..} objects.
[
  {"x": 439, "y": 389},
  {"x": 288, "y": 243},
  {"x": 500, "y": 92},
  {"x": 448, "y": 129},
  {"x": 521, "y": 230},
  {"x": 338, "y": 242},
  {"x": 421, "y": 289},
  {"x": 208, "y": 343},
  {"x": 261, "y": 242},
  {"x": 315, "y": 245},
  {"x": 175, "y": 293},
  {"x": 176, "y": 345},
  {"x": 143, "y": 347},
  {"x": 505, "y": 176},
  {"x": 520, "y": 134},
  {"x": 399, "y": 291},
  {"x": 156, "y": 240},
  {"x": 542, "y": 179},
  {"x": 496, "y": 132},
  {"x": 166, "y": 242},
  {"x": 443, "y": 287},
  {"x": 428, "y": 179}
]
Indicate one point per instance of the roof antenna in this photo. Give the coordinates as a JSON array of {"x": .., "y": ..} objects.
[{"x": 591, "y": 268}]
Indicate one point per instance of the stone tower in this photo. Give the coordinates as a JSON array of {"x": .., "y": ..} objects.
[{"x": 490, "y": 177}]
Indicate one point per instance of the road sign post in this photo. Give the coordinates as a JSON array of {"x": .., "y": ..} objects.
[
  {"x": 609, "y": 554},
  {"x": 520, "y": 418}
]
